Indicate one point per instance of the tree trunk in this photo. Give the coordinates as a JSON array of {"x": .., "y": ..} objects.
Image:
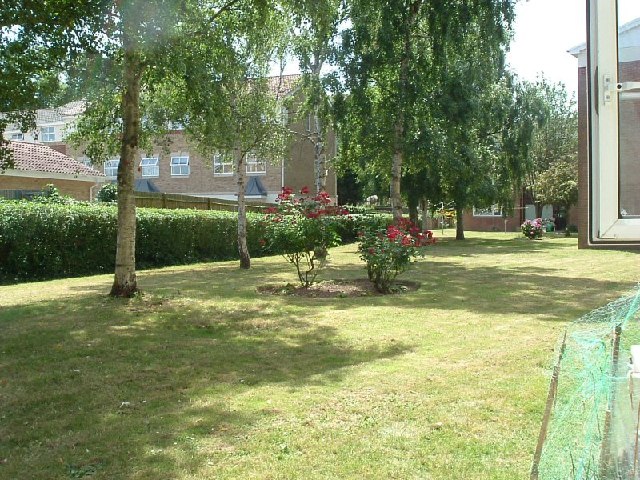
[
  {"x": 243, "y": 250},
  {"x": 538, "y": 206},
  {"x": 319, "y": 138},
  {"x": 424, "y": 209},
  {"x": 320, "y": 155},
  {"x": 399, "y": 127},
  {"x": 125, "y": 283},
  {"x": 412, "y": 203},
  {"x": 459, "y": 224}
]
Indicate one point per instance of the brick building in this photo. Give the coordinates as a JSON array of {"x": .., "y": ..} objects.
[
  {"x": 183, "y": 170},
  {"x": 36, "y": 166}
]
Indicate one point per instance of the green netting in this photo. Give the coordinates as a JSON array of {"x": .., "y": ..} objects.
[{"x": 592, "y": 432}]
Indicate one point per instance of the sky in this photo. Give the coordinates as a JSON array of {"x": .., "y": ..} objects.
[{"x": 546, "y": 29}]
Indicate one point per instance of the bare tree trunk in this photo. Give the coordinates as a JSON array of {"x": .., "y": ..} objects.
[
  {"x": 539, "y": 207},
  {"x": 125, "y": 282},
  {"x": 399, "y": 127},
  {"x": 459, "y": 224},
  {"x": 318, "y": 135},
  {"x": 243, "y": 250},
  {"x": 320, "y": 155},
  {"x": 424, "y": 210},
  {"x": 413, "y": 203},
  {"x": 396, "y": 175}
]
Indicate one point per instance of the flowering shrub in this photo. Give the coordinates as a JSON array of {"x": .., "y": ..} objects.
[
  {"x": 303, "y": 228},
  {"x": 533, "y": 228},
  {"x": 388, "y": 252}
]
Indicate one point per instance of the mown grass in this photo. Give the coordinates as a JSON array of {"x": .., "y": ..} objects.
[{"x": 204, "y": 378}]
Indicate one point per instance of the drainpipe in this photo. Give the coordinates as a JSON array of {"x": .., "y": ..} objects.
[
  {"x": 281, "y": 174},
  {"x": 91, "y": 195}
]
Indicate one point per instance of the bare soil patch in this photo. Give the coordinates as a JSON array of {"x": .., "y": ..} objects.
[{"x": 360, "y": 287}]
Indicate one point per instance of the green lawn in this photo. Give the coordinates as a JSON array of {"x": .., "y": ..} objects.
[{"x": 203, "y": 378}]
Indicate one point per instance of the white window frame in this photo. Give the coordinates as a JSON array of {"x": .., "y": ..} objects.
[
  {"x": 606, "y": 224},
  {"x": 483, "y": 212},
  {"x": 180, "y": 166},
  {"x": 284, "y": 116},
  {"x": 222, "y": 165},
  {"x": 48, "y": 134},
  {"x": 16, "y": 136},
  {"x": 150, "y": 167},
  {"x": 255, "y": 166},
  {"x": 111, "y": 167}
]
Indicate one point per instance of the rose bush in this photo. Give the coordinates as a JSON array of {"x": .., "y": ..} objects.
[
  {"x": 533, "y": 229},
  {"x": 303, "y": 228},
  {"x": 388, "y": 252}
]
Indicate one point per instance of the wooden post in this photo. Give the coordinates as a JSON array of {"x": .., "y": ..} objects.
[
  {"x": 605, "y": 451},
  {"x": 551, "y": 399},
  {"x": 164, "y": 200}
]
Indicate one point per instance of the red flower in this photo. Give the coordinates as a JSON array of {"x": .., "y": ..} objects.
[
  {"x": 271, "y": 210},
  {"x": 393, "y": 232},
  {"x": 372, "y": 250},
  {"x": 323, "y": 198},
  {"x": 407, "y": 241},
  {"x": 304, "y": 190}
]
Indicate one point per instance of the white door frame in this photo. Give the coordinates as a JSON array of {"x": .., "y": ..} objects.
[{"x": 605, "y": 224}]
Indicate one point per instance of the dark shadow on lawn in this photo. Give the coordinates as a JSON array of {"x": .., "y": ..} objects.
[{"x": 120, "y": 387}]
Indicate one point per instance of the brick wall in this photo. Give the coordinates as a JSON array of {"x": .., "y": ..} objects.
[
  {"x": 201, "y": 179},
  {"x": 298, "y": 168},
  {"x": 493, "y": 224},
  {"x": 80, "y": 190},
  {"x": 582, "y": 209}
]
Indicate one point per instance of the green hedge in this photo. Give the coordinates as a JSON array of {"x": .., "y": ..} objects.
[{"x": 40, "y": 241}]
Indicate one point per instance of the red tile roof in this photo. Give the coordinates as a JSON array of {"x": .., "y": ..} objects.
[
  {"x": 283, "y": 85},
  {"x": 41, "y": 158}
]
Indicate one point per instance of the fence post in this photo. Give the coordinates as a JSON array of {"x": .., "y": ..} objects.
[
  {"x": 164, "y": 200},
  {"x": 546, "y": 418}
]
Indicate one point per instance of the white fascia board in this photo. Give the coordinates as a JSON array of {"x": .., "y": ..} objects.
[{"x": 54, "y": 176}]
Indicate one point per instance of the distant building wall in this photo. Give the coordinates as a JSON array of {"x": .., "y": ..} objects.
[{"x": 80, "y": 190}]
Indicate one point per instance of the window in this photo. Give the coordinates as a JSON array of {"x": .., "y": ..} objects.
[
  {"x": 180, "y": 166},
  {"x": 614, "y": 106},
  {"x": 492, "y": 211},
  {"x": 86, "y": 162},
  {"x": 176, "y": 126},
  {"x": 17, "y": 136},
  {"x": 111, "y": 167},
  {"x": 48, "y": 134},
  {"x": 222, "y": 164},
  {"x": 255, "y": 166},
  {"x": 149, "y": 167}
]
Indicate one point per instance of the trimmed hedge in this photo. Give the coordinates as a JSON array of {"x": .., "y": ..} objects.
[{"x": 40, "y": 241}]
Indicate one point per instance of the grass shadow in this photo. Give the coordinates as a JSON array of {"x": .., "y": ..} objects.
[{"x": 146, "y": 379}]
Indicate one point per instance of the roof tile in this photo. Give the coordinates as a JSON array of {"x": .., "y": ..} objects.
[{"x": 41, "y": 158}]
